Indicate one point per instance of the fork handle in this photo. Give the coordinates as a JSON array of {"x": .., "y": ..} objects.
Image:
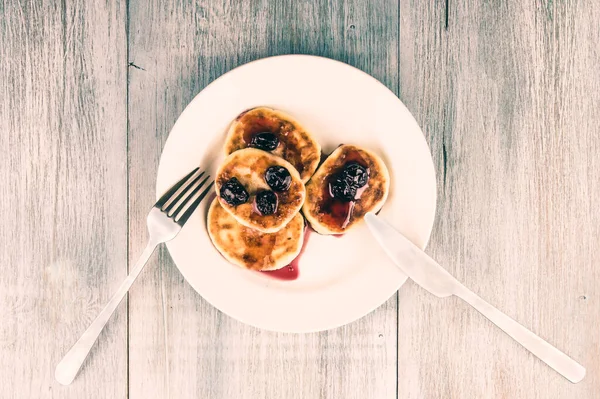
[
  {"x": 69, "y": 366},
  {"x": 553, "y": 357}
]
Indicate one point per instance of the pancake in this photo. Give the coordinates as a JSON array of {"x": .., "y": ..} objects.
[
  {"x": 250, "y": 248},
  {"x": 295, "y": 144},
  {"x": 329, "y": 215},
  {"x": 248, "y": 167}
]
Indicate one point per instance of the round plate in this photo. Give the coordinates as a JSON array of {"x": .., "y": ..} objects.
[{"x": 341, "y": 279}]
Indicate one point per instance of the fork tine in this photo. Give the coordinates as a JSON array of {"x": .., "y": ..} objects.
[
  {"x": 183, "y": 193},
  {"x": 173, "y": 189},
  {"x": 187, "y": 198},
  {"x": 194, "y": 205}
]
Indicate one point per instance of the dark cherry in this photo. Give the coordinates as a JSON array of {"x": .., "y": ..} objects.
[
  {"x": 341, "y": 189},
  {"x": 233, "y": 192},
  {"x": 355, "y": 174},
  {"x": 278, "y": 178},
  {"x": 266, "y": 202},
  {"x": 265, "y": 141}
]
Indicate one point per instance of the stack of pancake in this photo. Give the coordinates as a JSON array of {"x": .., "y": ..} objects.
[{"x": 271, "y": 173}]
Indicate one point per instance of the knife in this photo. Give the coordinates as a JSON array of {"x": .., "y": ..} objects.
[{"x": 427, "y": 273}]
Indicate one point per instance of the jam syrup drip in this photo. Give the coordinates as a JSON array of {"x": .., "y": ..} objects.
[{"x": 291, "y": 271}]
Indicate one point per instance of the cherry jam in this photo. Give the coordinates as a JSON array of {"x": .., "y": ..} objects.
[
  {"x": 257, "y": 125},
  {"x": 338, "y": 212}
]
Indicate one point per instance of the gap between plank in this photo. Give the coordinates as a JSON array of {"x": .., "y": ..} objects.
[
  {"x": 397, "y": 294},
  {"x": 127, "y": 178}
]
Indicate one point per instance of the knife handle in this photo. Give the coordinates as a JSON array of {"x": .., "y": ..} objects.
[{"x": 553, "y": 357}]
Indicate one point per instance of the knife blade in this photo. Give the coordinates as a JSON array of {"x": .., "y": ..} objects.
[{"x": 427, "y": 273}]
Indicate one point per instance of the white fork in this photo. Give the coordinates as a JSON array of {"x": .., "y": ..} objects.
[{"x": 165, "y": 220}]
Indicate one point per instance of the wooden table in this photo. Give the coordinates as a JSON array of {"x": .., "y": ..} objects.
[{"x": 507, "y": 94}]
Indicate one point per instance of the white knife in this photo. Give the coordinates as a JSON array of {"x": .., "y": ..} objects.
[{"x": 430, "y": 275}]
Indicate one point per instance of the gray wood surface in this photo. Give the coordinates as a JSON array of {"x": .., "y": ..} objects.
[
  {"x": 182, "y": 347},
  {"x": 507, "y": 94},
  {"x": 63, "y": 190}
]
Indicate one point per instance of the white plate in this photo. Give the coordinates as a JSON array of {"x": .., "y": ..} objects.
[{"x": 341, "y": 279}]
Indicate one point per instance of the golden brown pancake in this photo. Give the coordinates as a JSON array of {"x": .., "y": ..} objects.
[
  {"x": 296, "y": 145},
  {"x": 248, "y": 166},
  {"x": 328, "y": 215},
  {"x": 250, "y": 248}
]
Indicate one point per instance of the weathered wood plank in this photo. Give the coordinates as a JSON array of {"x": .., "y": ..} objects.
[
  {"x": 507, "y": 94},
  {"x": 179, "y": 345},
  {"x": 63, "y": 193}
]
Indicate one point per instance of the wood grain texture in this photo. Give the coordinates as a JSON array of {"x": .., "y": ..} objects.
[
  {"x": 180, "y": 346},
  {"x": 63, "y": 193},
  {"x": 507, "y": 94}
]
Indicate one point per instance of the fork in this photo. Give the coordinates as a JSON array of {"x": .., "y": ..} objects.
[{"x": 165, "y": 220}]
